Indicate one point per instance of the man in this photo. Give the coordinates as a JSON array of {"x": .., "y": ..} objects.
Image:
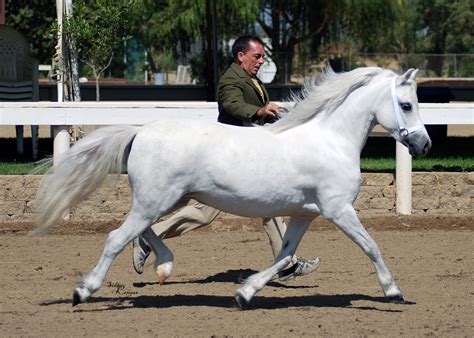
[{"x": 242, "y": 101}]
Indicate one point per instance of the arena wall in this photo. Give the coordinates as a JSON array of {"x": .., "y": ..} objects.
[{"x": 433, "y": 194}]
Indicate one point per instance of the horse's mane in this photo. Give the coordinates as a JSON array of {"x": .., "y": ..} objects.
[{"x": 325, "y": 93}]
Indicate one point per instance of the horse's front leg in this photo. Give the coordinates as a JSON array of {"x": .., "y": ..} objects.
[
  {"x": 294, "y": 232},
  {"x": 115, "y": 243},
  {"x": 349, "y": 223}
]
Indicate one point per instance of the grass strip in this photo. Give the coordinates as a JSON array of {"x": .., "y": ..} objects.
[
  {"x": 381, "y": 165},
  {"x": 448, "y": 164},
  {"x": 19, "y": 168}
]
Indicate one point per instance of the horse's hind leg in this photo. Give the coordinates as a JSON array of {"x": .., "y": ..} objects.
[
  {"x": 115, "y": 243},
  {"x": 349, "y": 223},
  {"x": 294, "y": 232},
  {"x": 164, "y": 257},
  {"x": 154, "y": 235}
]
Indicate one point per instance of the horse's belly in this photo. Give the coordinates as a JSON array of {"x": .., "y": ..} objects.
[{"x": 247, "y": 206}]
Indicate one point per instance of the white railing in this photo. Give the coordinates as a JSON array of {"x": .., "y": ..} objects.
[{"x": 65, "y": 114}]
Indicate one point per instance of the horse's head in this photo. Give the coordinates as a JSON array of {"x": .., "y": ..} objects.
[{"x": 400, "y": 115}]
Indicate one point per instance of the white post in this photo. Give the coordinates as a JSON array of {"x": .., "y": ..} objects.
[
  {"x": 60, "y": 133},
  {"x": 59, "y": 50},
  {"x": 61, "y": 142},
  {"x": 403, "y": 180}
]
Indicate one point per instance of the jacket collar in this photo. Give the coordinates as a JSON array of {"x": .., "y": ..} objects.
[
  {"x": 242, "y": 74},
  {"x": 239, "y": 71}
]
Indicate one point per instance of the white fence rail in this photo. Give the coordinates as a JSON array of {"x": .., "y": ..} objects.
[
  {"x": 106, "y": 113},
  {"x": 139, "y": 113}
]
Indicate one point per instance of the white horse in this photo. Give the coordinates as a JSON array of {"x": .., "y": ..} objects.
[{"x": 304, "y": 165}]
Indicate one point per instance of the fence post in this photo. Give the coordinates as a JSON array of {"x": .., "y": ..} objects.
[
  {"x": 403, "y": 180},
  {"x": 61, "y": 142}
]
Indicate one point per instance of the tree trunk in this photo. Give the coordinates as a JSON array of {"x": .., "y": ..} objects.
[
  {"x": 283, "y": 56},
  {"x": 97, "y": 90},
  {"x": 151, "y": 61}
]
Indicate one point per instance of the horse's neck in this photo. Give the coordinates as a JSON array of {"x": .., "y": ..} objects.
[{"x": 352, "y": 121}]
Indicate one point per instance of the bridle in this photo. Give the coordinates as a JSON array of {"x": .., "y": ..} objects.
[{"x": 402, "y": 129}]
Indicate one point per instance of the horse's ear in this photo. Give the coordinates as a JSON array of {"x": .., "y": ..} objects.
[{"x": 409, "y": 75}]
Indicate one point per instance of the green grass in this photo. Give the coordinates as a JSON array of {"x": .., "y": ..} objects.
[
  {"x": 20, "y": 168},
  {"x": 451, "y": 164},
  {"x": 450, "y": 154}
]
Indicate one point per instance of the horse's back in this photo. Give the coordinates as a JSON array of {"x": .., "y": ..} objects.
[{"x": 182, "y": 147}]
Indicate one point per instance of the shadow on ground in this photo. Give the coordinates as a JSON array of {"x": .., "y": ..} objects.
[{"x": 232, "y": 276}]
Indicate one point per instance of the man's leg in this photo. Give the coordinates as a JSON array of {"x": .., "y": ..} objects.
[
  {"x": 191, "y": 217},
  {"x": 275, "y": 229}
]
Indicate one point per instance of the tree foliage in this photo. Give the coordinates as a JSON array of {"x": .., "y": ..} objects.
[
  {"x": 94, "y": 31},
  {"x": 180, "y": 27},
  {"x": 444, "y": 26},
  {"x": 313, "y": 24},
  {"x": 296, "y": 28}
]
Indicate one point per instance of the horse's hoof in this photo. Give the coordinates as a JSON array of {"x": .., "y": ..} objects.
[
  {"x": 163, "y": 271},
  {"x": 241, "y": 301},
  {"x": 396, "y": 299},
  {"x": 76, "y": 298},
  {"x": 162, "y": 277}
]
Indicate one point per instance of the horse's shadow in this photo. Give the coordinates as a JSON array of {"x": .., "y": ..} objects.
[
  {"x": 123, "y": 302},
  {"x": 230, "y": 276},
  {"x": 227, "y": 302}
]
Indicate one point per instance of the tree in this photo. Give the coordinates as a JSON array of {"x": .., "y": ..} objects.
[
  {"x": 446, "y": 26},
  {"x": 178, "y": 25},
  {"x": 289, "y": 23},
  {"x": 94, "y": 31}
]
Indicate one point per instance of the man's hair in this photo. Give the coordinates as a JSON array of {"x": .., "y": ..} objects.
[{"x": 242, "y": 44}]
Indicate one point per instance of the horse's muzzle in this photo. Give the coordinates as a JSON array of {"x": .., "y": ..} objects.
[{"x": 418, "y": 143}]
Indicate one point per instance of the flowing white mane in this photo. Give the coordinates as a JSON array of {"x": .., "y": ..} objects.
[{"x": 325, "y": 93}]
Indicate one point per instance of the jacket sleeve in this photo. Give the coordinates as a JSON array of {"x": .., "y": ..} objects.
[{"x": 231, "y": 99}]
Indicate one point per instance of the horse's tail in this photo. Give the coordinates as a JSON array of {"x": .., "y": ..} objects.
[{"x": 81, "y": 170}]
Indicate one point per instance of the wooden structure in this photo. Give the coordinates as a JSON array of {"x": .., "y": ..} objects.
[{"x": 18, "y": 78}]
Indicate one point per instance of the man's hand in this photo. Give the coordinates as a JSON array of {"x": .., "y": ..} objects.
[{"x": 270, "y": 109}]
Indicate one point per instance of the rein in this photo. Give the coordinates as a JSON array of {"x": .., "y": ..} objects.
[{"x": 404, "y": 131}]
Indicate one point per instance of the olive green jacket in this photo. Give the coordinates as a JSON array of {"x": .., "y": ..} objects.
[{"x": 238, "y": 98}]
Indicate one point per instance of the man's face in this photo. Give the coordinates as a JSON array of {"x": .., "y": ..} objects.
[{"x": 251, "y": 60}]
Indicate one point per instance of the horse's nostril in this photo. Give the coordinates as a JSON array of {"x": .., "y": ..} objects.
[{"x": 427, "y": 146}]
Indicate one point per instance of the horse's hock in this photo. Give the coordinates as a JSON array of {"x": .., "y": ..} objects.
[{"x": 433, "y": 194}]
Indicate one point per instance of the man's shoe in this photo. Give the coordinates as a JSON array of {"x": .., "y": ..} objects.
[
  {"x": 140, "y": 252},
  {"x": 302, "y": 267}
]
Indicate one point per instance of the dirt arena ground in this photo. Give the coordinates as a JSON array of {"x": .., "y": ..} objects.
[{"x": 431, "y": 258}]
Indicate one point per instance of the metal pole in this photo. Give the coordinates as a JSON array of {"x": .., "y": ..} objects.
[
  {"x": 211, "y": 53},
  {"x": 59, "y": 50},
  {"x": 214, "y": 46},
  {"x": 60, "y": 133},
  {"x": 403, "y": 180}
]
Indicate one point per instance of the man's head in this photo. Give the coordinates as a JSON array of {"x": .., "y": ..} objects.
[{"x": 248, "y": 53}]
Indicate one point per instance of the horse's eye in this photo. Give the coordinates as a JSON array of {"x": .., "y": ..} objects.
[{"x": 405, "y": 106}]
